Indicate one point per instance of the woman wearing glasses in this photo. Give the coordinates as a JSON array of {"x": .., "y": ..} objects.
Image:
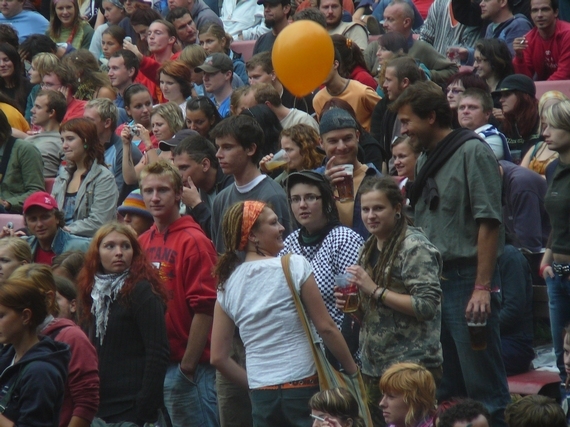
[
  {"x": 457, "y": 84},
  {"x": 329, "y": 246}
]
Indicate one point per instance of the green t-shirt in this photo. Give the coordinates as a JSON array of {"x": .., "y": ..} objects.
[{"x": 469, "y": 186}]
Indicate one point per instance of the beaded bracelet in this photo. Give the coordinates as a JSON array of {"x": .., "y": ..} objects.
[{"x": 373, "y": 294}]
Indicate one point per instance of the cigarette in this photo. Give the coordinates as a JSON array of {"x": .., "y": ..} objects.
[{"x": 317, "y": 418}]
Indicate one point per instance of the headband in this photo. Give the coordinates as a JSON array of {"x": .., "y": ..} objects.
[
  {"x": 117, "y": 3},
  {"x": 251, "y": 211}
]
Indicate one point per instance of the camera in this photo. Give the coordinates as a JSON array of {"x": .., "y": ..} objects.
[{"x": 134, "y": 131}]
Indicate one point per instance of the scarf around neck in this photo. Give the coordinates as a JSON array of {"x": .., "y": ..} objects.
[
  {"x": 105, "y": 291},
  {"x": 306, "y": 239}
]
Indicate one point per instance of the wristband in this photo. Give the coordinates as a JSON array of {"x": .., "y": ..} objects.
[
  {"x": 542, "y": 268},
  {"x": 486, "y": 288},
  {"x": 382, "y": 296}
]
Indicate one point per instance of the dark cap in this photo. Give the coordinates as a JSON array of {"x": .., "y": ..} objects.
[
  {"x": 335, "y": 119},
  {"x": 303, "y": 176},
  {"x": 176, "y": 139},
  {"x": 274, "y": 2},
  {"x": 216, "y": 62},
  {"x": 518, "y": 82}
]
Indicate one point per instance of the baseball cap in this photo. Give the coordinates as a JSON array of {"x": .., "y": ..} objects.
[
  {"x": 134, "y": 204},
  {"x": 41, "y": 199},
  {"x": 176, "y": 139},
  {"x": 216, "y": 62},
  {"x": 518, "y": 82},
  {"x": 335, "y": 119}
]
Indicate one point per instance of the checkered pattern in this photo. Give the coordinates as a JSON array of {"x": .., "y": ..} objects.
[{"x": 331, "y": 257}]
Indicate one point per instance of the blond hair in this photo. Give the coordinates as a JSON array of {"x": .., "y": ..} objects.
[{"x": 416, "y": 384}]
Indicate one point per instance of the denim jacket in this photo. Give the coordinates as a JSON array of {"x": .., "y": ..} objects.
[
  {"x": 62, "y": 242},
  {"x": 96, "y": 201}
]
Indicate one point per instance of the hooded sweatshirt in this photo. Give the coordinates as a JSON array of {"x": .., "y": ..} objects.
[
  {"x": 185, "y": 258},
  {"x": 37, "y": 398},
  {"x": 81, "y": 396}
]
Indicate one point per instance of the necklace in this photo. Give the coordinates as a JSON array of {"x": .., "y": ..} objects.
[{"x": 343, "y": 89}]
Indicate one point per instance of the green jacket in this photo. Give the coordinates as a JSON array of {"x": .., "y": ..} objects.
[{"x": 24, "y": 174}]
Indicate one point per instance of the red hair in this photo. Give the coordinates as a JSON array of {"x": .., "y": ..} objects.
[
  {"x": 524, "y": 117},
  {"x": 140, "y": 269}
]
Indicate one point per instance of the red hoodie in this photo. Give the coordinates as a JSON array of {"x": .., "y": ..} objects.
[
  {"x": 548, "y": 59},
  {"x": 185, "y": 258},
  {"x": 81, "y": 396}
]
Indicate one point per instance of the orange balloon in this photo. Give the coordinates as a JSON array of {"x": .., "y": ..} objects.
[{"x": 302, "y": 56}]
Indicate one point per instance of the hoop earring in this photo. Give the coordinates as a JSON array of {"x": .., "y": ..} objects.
[{"x": 398, "y": 215}]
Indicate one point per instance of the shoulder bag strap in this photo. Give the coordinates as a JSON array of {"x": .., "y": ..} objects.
[
  {"x": 304, "y": 320},
  {"x": 296, "y": 299}
]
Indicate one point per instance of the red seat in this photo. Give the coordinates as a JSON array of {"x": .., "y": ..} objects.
[
  {"x": 16, "y": 220},
  {"x": 535, "y": 382},
  {"x": 49, "y": 184},
  {"x": 559, "y": 85},
  {"x": 245, "y": 47}
]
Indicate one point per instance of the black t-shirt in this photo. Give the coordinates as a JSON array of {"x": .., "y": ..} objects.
[
  {"x": 304, "y": 104},
  {"x": 557, "y": 204},
  {"x": 264, "y": 43}
]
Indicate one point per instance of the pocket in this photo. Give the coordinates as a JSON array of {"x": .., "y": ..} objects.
[
  {"x": 467, "y": 273},
  {"x": 184, "y": 377}
]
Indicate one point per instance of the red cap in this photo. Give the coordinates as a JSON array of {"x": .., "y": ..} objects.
[{"x": 41, "y": 199}]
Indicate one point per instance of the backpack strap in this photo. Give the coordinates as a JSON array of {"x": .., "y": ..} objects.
[{"x": 6, "y": 399}]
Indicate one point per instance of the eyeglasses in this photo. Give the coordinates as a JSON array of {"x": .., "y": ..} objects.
[
  {"x": 455, "y": 91},
  {"x": 53, "y": 86},
  {"x": 309, "y": 198}
]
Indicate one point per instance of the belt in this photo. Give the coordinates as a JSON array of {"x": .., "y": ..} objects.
[
  {"x": 561, "y": 269},
  {"x": 311, "y": 381},
  {"x": 459, "y": 263}
]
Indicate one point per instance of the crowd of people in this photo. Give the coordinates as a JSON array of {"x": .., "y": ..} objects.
[{"x": 420, "y": 189}]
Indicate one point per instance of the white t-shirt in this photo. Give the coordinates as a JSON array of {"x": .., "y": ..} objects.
[{"x": 257, "y": 298}]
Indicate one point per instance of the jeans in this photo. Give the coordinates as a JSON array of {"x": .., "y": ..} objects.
[
  {"x": 479, "y": 375},
  {"x": 282, "y": 408},
  {"x": 517, "y": 354},
  {"x": 558, "y": 288},
  {"x": 191, "y": 403}
]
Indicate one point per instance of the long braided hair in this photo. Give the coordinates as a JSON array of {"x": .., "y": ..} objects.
[
  {"x": 392, "y": 244},
  {"x": 232, "y": 233}
]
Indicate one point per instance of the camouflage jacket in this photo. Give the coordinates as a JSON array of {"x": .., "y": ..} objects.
[{"x": 388, "y": 336}]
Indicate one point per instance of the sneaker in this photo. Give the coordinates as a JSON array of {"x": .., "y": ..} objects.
[{"x": 373, "y": 26}]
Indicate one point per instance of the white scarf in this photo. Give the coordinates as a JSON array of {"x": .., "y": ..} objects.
[{"x": 105, "y": 291}]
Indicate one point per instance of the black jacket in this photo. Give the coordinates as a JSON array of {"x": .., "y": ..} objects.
[{"x": 38, "y": 393}]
